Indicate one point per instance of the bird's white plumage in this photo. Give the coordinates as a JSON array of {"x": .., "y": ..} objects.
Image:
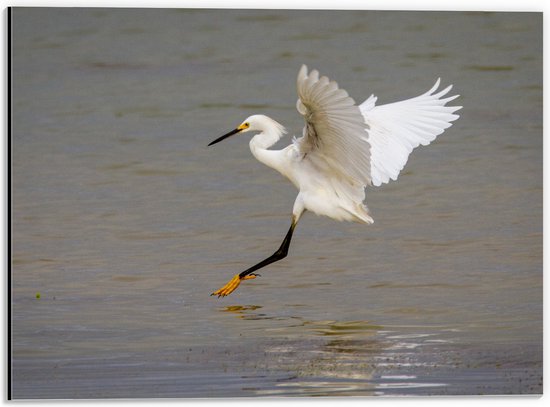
[
  {"x": 334, "y": 127},
  {"x": 345, "y": 147},
  {"x": 395, "y": 129},
  {"x": 355, "y": 146}
]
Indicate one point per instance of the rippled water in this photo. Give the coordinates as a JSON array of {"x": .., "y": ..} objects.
[{"x": 124, "y": 221}]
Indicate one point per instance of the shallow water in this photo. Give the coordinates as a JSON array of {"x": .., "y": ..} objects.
[{"x": 124, "y": 221}]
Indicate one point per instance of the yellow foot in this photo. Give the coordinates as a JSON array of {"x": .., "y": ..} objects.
[{"x": 232, "y": 285}]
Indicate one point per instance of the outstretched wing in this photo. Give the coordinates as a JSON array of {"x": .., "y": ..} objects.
[
  {"x": 334, "y": 134},
  {"x": 395, "y": 129}
]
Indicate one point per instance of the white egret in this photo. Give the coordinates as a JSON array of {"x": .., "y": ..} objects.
[{"x": 343, "y": 149}]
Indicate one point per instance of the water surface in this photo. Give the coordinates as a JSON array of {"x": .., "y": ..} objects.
[{"x": 124, "y": 221}]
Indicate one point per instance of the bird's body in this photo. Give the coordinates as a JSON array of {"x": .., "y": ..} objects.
[
  {"x": 320, "y": 192},
  {"x": 343, "y": 148}
]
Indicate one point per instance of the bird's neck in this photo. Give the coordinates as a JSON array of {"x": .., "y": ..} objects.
[
  {"x": 270, "y": 134},
  {"x": 263, "y": 141},
  {"x": 260, "y": 143}
]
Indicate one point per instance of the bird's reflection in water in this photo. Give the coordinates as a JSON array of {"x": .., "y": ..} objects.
[
  {"x": 320, "y": 357},
  {"x": 238, "y": 309},
  {"x": 247, "y": 312},
  {"x": 338, "y": 358}
]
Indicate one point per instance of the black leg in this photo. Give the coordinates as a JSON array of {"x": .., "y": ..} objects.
[{"x": 280, "y": 254}]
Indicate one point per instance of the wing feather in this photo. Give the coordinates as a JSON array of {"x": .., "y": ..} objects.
[
  {"x": 396, "y": 129},
  {"x": 366, "y": 144},
  {"x": 334, "y": 133}
]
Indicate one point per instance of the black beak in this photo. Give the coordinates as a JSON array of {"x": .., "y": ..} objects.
[{"x": 226, "y": 136}]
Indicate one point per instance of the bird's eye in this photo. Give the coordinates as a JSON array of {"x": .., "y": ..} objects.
[{"x": 246, "y": 124}]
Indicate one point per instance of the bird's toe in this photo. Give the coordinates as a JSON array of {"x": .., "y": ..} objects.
[{"x": 229, "y": 287}]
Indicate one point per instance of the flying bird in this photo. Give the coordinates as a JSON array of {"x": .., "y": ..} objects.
[{"x": 344, "y": 148}]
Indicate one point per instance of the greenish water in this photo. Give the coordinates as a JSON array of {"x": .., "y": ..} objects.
[{"x": 124, "y": 221}]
